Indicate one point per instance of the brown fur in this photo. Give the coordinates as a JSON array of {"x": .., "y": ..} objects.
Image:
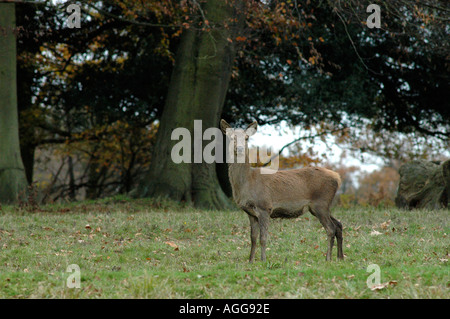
[{"x": 284, "y": 194}]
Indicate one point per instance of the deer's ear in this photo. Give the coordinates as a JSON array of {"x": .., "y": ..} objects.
[
  {"x": 224, "y": 125},
  {"x": 251, "y": 129}
]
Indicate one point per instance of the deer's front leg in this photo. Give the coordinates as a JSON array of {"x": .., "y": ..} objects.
[
  {"x": 263, "y": 219},
  {"x": 254, "y": 230}
]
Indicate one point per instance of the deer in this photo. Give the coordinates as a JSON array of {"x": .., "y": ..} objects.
[{"x": 283, "y": 194}]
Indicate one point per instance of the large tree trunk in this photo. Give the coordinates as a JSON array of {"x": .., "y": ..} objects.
[
  {"x": 196, "y": 92},
  {"x": 13, "y": 182},
  {"x": 25, "y": 76}
]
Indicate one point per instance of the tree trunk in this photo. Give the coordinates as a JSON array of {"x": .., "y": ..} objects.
[
  {"x": 196, "y": 92},
  {"x": 13, "y": 182},
  {"x": 25, "y": 76}
]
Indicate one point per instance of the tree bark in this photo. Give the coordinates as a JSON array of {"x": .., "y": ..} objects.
[
  {"x": 25, "y": 75},
  {"x": 197, "y": 91},
  {"x": 13, "y": 181}
]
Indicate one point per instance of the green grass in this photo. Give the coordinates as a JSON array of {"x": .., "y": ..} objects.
[{"x": 144, "y": 249}]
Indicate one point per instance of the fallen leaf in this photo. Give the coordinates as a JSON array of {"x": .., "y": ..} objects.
[
  {"x": 385, "y": 225},
  {"x": 375, "y": 233},
  {"x": 378, "y": 287},
  {"x": 392, "y": 283},
  {"x": 172, "y": 244}
]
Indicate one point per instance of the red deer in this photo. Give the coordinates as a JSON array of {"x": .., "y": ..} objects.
[{"x": 283, "y": 194}]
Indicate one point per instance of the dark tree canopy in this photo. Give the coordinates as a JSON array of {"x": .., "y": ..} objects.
[{"x": 397, "y": 76}]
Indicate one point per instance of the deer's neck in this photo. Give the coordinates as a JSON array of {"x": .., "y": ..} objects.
[{"x": 239, "y": 174}]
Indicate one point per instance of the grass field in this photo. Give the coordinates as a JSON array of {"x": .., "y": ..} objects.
[{"x": 143, "y": 249}]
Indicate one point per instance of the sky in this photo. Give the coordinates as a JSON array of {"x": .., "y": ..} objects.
[{"x": 278, "y": 136}]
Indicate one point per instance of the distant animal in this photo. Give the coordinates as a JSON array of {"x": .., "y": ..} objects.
[{"x": 283, "y": 194}]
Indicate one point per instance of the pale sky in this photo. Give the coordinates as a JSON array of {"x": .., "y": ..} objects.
[{"x": 278, "y": 136}]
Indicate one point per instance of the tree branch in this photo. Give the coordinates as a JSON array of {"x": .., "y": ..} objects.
[
  {"x": 299, "y": 139},
  {"x": 351, "y": 41}
]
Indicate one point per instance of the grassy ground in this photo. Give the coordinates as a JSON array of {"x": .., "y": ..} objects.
[{"x": 141, "y": 249}]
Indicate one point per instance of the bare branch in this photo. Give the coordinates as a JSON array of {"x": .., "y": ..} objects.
[
  {"x": 353, "y": 44},
  {"x": 300, "y": 139}
]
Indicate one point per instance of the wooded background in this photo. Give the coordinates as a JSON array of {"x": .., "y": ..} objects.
[{"x": 88, "y": 112}]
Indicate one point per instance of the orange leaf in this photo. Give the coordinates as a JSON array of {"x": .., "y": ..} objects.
[{"x": 172, "y": 244}]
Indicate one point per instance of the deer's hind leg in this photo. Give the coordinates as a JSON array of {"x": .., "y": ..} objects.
[
  {"x": 340, "y": 253},
  {"x": 323, "y": 215}
]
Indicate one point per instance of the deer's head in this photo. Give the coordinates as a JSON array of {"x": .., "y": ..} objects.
[{"x": 238, "y": 139}]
